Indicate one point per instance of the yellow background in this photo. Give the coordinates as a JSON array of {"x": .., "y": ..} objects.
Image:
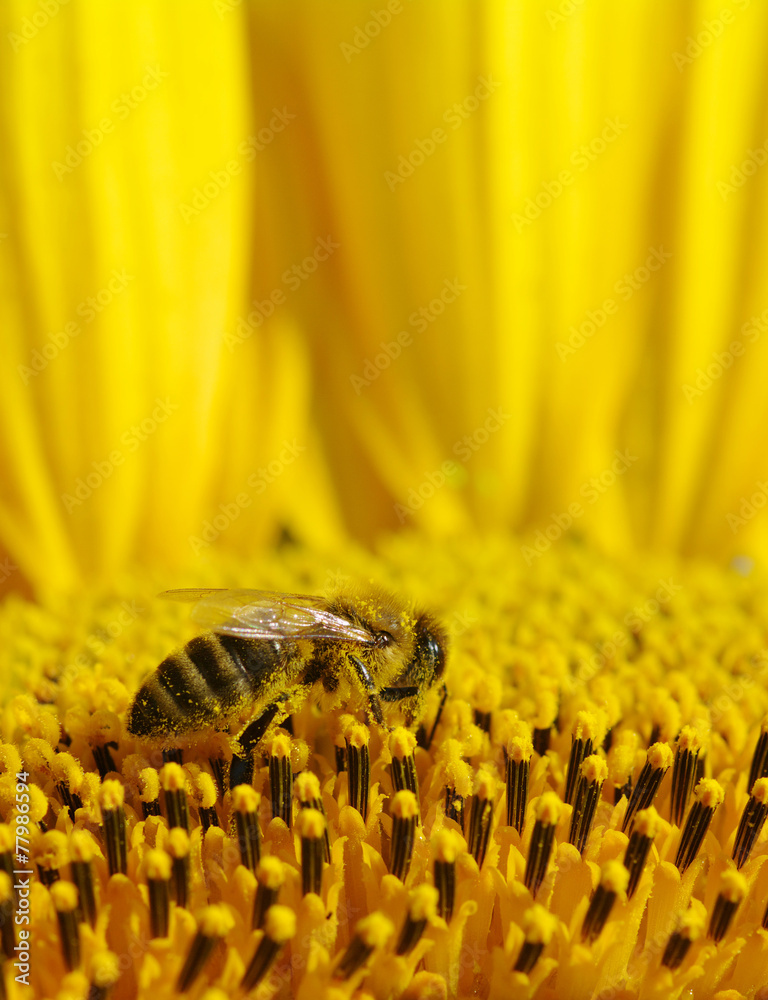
[{"x": 687, "y": 83}]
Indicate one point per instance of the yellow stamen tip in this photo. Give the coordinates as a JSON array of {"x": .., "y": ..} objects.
[
  {"x": 549, "y": 808},
  {"x": 64, "y": 896},
  {"x": 458, "y": 774},
  {"x": 539, "y": 925},
  {"x": 423, "y": 903},
  {"x": 280, "y": 924},
  {"x": 38, "y": 754},
  {"x": 311, "y": 824},
  {"x": 546, "y": 710},
  {"x": 402, "y": 743},
  {"x": 149, "y": 784},
  {"x": 760, "y": 790},
  {"x": 358, "y": 736},
  {"x": 733, "y": 886},
  {"x": 178, "y": 842},
  {"x": 426, "y": 986},
  {"x": 172, "y": 777},
  {"x": 446, "y": 845},
  {"x": 206, "y": 789},
  {"x": 587, "y": 726},
  {"x": 50, "y": 851},
  {"x": 594, "y": 769},
  {"x": 693, "y": 922},
  {"x": 67, "y": 771},
  {"x": 245, "y": 799},
  {"x": 280, "y": 746},
  {"x": 38, "y": 803},
  {"x": 647, "y": 822},
  {"x": 105, "y": 969},
  {"x": 709, "y": 792},
  {"x": 488, "y": 693},
  {"x": 112, "y": 794},
  {"x": 158, "y": 865},
  {"x": 667, "y": 714},
  {"x": 103, "y": 727},
  {"x": 306, "y": 787},
  {"x": 270, "y": 872},
  {"x": 216, "y": 921},
  {"x": 689, "y": 739},
  {"x": 614, "y": 877},
  {"x": 374, "y": 930},
  {"x": 660, "y": 755},
  {"x": 519, "y": 749},
  {"x": 404, "y": 805},
  {"x": 485, "y": 784},
  {"x": 10, "y": 758},
  {"x": 82, "y": 846},
  {"x": 621, "y": 761}
]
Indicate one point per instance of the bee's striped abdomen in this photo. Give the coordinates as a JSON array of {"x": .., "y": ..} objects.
[
  {"x": 220, "y": 667},
  {"x": 193, "y": 687}
]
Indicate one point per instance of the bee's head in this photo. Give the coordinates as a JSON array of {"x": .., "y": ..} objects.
[{"x": 431, "y": 648}]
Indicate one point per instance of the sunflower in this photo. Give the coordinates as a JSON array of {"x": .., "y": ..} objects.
[{"x": 463, "y": 301}]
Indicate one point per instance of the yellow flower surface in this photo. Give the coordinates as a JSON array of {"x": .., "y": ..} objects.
[{"x": 586, "y": 821}]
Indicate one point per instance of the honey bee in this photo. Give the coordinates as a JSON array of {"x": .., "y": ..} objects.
[{"x": 266, "y": 652}]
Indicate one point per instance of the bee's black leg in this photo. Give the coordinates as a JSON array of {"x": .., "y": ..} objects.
[
  {"x": 364, "y": 676},
  {"x": 398, "y": 693},
  {"x": 241, "y": 769}
]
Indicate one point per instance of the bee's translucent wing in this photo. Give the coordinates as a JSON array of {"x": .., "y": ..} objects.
[
  {"x": 264, "y": 614},
  {"x": 191, "y": 594}
]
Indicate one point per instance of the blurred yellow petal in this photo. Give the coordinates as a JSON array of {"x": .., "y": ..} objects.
[
  {"x": 459, "y": 259},
  {"x": 576, "y": 201}
]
